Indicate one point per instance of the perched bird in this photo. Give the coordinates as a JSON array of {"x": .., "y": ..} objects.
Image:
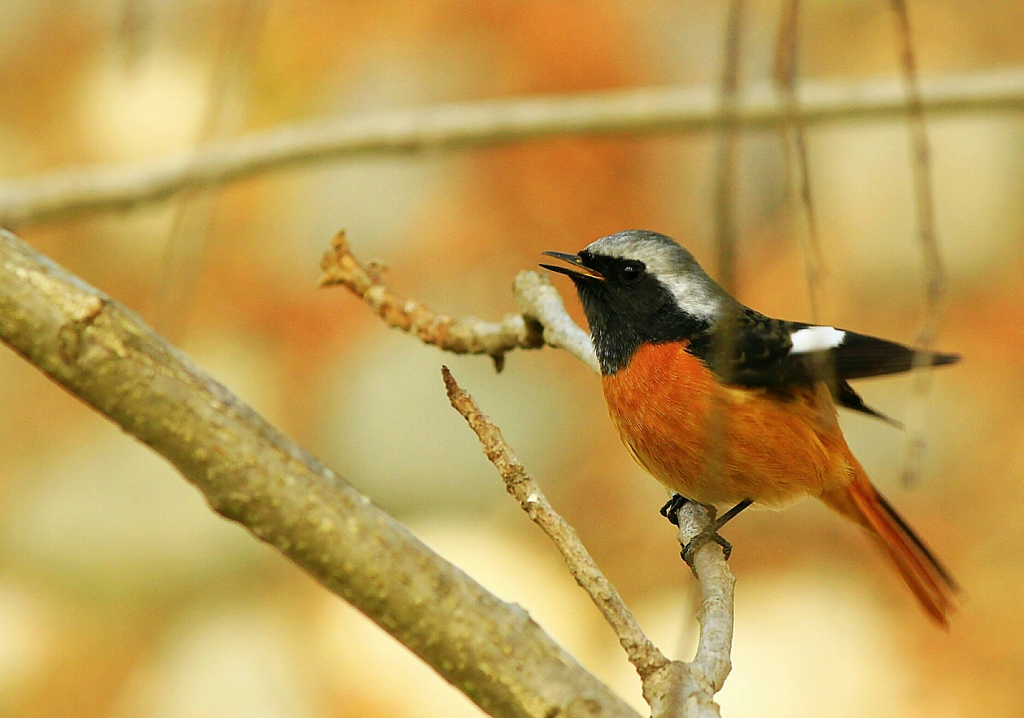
[{"x": 726, "y": 406}]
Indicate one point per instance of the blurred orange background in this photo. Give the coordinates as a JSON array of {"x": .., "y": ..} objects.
[{"x": 122, "y": 594}]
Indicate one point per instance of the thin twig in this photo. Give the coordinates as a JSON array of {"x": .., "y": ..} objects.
[
  {"x": 934, "y": 273},
  {"x": 712, "y": 663},
  {"x": 453, "y": 126},
  {"x": 186, "y": 241},
  {"x": 787, "y": 66},
  {"x": 460, "y": 336},
  {"x": 539, "y": 301},
  {"x": 727, "y": 150},
  {"x": 251, "y": 473},
  {"x": 671, "y": 688},
  {"x": 542, "y": 320},
  {"x": 643, "y": 654}
]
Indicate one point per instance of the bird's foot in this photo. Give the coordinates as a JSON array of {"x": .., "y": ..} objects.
[
  {"x": 710, "y": 533},
  {"x": 671, "y": 508}
]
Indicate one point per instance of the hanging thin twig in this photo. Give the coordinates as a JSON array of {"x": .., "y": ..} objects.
[
  {"x": 727, "y": 149},
  {"x": 787, "y": 68},
  {"x": 186, "y": 241},
  {"x": 934, "y": 273}
]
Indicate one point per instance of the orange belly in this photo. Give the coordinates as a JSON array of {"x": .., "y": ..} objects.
[{"x": 720, "y": 445}]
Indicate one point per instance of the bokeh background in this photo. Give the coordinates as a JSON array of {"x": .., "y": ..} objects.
[{"x": 121, "y": 594}]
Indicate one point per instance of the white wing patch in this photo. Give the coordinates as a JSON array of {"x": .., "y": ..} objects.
[{"x": 815, "y": 339}]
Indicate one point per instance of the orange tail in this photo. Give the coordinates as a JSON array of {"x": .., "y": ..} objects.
[{"x": 927, "y": 578}]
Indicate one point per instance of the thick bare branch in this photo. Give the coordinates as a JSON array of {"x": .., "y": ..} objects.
[
  {"x": 454, "y": 126},
  {"x": 251, "y": 473},
  {"x": 671, "y": 688}
]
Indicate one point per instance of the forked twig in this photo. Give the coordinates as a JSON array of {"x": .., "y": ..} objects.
[
  {"x": 459, "y": 336},
  {"x": 671, "y": 688},
  {"x": 542, "y": 318}
]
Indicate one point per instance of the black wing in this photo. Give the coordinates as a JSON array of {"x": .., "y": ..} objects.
[
  {"x": 844, "y": 395},
  {"x": 747, "y": 348}
]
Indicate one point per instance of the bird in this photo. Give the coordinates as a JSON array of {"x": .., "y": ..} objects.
[{"x": 726, "y": 406}]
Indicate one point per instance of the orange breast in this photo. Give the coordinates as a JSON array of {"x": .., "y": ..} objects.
[{"x": 717, "y": 444}]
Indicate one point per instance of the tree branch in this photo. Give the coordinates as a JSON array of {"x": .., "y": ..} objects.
[
  {"x": 459, "y": 125},
  {"x": 643, "y": 654},
  {"x": 934, "y": 271},
  {"x": 727, "y": 149},
  {"x": 794, "y": 138},
  {"x": 671, "y": 688},
  {"x": 712, "y": 663},
  {"x": 542, "y": 318},
  {"x": 251, "y": 473}
]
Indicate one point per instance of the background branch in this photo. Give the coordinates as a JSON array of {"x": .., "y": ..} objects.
[
  {"x": 934, "y": 272},
  {"x": 458, "y": 125},
  {"x": 251, "y": 473},
  {"x": 178, "y": 279},
  {"x": 794, "y": 138},
  {"x": 727, "y": 149}
]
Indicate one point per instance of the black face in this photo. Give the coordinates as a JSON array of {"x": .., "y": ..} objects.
[{"x": 627, "y": 308}]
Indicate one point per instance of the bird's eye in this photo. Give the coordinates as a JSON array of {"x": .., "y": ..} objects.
[{"x": 631, "y": 272}]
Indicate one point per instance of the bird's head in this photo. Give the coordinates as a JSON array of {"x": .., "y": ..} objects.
[{"x": 640, "y": 287}]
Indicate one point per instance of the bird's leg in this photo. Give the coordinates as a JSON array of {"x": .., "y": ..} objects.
[
  {"x": 710, "y": 533},
  {"x": 732, "y": 513}
]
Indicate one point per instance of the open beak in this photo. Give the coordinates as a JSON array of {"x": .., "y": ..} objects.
[{"x": 576, "y": 270}]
